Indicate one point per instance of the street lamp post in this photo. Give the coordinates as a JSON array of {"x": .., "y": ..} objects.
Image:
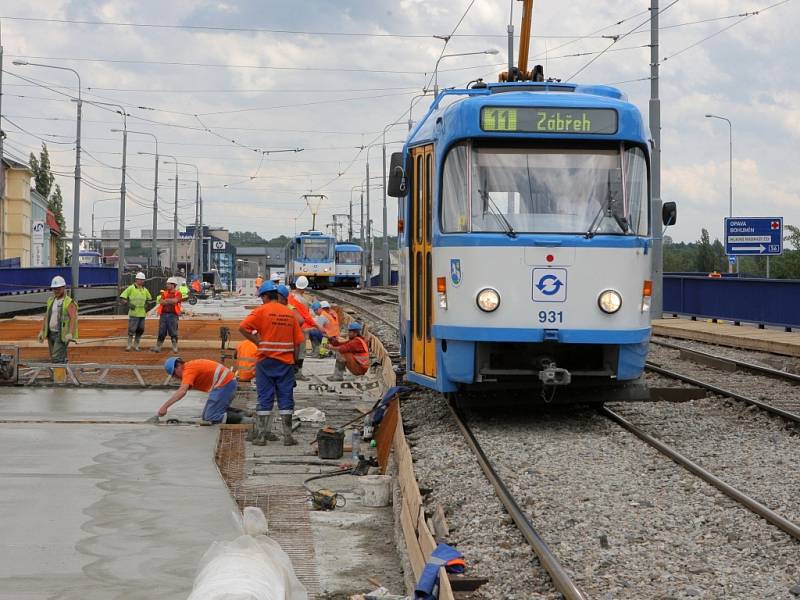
[
  {"x": 93, "y": 205},
  {"x": 76, "y": 233},
  {"x": 730, "y": 169},
  {"x": 387, "y": 265},
  {"x": 196, "y": 206},
  {"x": 173, "y": 263},
  {"x": 411, "y": 108},
  {"x": 153, "y": 249},
  {"x": 436, "y": 69}
]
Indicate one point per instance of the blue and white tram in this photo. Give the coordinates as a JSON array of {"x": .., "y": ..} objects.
[
  {"x": 311, "y": 254},
  {"x": 525, "y": 253},
  {"x": 348, "y": 265}
]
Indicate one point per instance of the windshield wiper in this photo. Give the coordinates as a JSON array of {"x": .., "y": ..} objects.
[
  {"x": 498, "y": 215},
  {"x": 613, "y": 197}
]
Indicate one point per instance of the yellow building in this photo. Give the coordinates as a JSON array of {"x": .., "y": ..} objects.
[{"x": 15, "y": 213}]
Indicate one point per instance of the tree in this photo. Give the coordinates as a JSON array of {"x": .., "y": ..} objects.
[
  {"x": 246, "y": 238},
  {"x": 44, "y": 180},
  {"x": 705, "y": 260}
]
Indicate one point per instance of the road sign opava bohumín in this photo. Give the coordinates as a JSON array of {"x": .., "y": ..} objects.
[{"x": 754, "y": 236}]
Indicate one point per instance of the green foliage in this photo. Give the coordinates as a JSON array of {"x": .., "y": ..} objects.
[
  {"x": 44, "y": 179},
  {"x": 280, "y": 242},
  {"x": 705, "y": 256}
]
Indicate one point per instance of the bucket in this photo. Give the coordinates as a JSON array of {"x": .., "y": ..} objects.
[
  {"x": 59, "y": 375},
  {"x": 377, "y": 490},
  {"x": 330, "y": 443}
]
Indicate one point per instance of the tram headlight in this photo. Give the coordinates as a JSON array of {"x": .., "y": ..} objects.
[
  {"x": 609, "y": 301},
  {"x": 488, "y": 300}
]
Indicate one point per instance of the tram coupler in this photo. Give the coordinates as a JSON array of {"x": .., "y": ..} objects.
[{"x": 553, "y": 375}]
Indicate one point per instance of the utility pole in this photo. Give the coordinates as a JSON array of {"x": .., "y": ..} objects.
[
  {"x": 2, "y": 164},
  {"x": 350, "y": 217},
  {"x": 368, "y": 249},
  {"x": 656, "y": 255},
  {"x": 198, "y": 252},
  {"x": 154, "y": 250},
  {"x": 122, "y": 193},
  {"x": 202, "y": 253}
]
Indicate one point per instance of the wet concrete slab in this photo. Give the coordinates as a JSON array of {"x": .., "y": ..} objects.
[
  {"x": 95, "y": 512},
  {"x": 57, "y": 404}
]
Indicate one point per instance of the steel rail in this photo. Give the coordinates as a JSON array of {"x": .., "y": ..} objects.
[
  {"x": 753, "y": 505},
  {"x": 723, "y": 392},
  {"x": 561, "y": 578},
  {"x": 371, "y": 296},
  {"x": 735, "y": 361},
  {"x": 328, "y": 293}
]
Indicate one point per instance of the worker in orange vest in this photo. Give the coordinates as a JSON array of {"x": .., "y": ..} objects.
[
  {"x": 259, "y": 281},
  {"x": 169, "y": 310},
  {"x": 352, "y": 354},
  {"x": 246, "y": 358},
  {"x": 333, "y": 319},
  {"x": 279, "y": 340}
]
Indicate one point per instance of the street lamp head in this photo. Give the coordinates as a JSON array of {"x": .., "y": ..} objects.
[
  {"x": 20, "y": 62},
  {"x": 116, "y": 130},
  {"x": 709, "y": 115},
  {"x": 492, "y": 51}
]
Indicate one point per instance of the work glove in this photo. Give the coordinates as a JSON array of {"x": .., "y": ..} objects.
[
  {"x": 40, "y": 337},
  {"x": 68, "y": 338}
]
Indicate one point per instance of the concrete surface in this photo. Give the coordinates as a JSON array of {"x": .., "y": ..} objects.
[{"x": 94, "y": 512}]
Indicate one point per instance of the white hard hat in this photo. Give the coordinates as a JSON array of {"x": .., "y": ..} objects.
[
  {"x": 301, "y": 283},
  {"x": 58, "y": 282},
  {"x": 140, "y": 275},
  {"x": 325, "y": 304},
  {"x": 275, "y": 277},
  {"x": 173, "y": 280}
]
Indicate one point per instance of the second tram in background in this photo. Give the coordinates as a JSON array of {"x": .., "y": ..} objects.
[
  {"x": 348, "y": 265},
  {"x": 311, "y": 253}
]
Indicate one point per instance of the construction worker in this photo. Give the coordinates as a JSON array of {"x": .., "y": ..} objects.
[
  {"x": 184, "y": 289},
  {"x": 315, "y": 334},
  {"x": 352, "y": 353},
  {"x": 205, "y": 376},
  {"x": 259, "y": 281},
  {"x": 60, "y": 325},
  {"x": 169, "y": 310},
  {"x": 279, "y": 340},
  {"x": 332, "y": 327},
  {"x": 136, "y": 296},
  {"x": 197, "y": 287},
  {"x": 275, "y": 278},
  {"x": 246, "y": 358}
]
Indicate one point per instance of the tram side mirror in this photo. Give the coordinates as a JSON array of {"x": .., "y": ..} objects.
[
  {"x": 669, "y": 213},
  {"x": 397, "y": 185}
]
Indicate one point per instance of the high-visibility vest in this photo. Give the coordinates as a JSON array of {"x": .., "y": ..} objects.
[
  {"x": 246, "y": 358},
  {"x": 333, "y": 320},
  {"x": 362, "y": 357},
  {"x": 330, "y": 328},
  {"x": 66, "y": 324},
  {"x": 168, "y": 294},
  {"x": 300, "y": 307},
  {"x": 196, "y": 286}
]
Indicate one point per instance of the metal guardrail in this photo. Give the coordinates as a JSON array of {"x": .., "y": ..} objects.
[{"x": 764, "y": 302}]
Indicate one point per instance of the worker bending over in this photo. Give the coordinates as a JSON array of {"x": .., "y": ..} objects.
[
  {"x": 136, "y": 296},
  {"x": 279, "y": 340},
  {"x": 169, "y": 310},
  {"x": 352, "y": 353},
  {"x": 60, "y": 325},
  {"x": 206, "y": 376},
  {"x": 246, "y": 358}
]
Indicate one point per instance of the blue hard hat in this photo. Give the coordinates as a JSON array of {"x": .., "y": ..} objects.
[
  {"x": 354, "y": 326},
  {"x": 316, "y": 306},
  {"x": 169, "y": 364},
  {"x": 267, "y": 286},
  {"x": 283, "y": 291}
]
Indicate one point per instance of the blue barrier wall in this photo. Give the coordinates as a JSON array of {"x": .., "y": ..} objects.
[
  {"x": 763, "y": 301},
  {"x": 38, "y": 278}
]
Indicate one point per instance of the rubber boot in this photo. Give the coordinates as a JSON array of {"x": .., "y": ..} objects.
[
  {"x": 157, "y": 347},
  {"x": 174, "y": 346},
  {"x": 254, "y": 432},
  {"x": 338, "y": 372},
  {"x": 264, "y": 424},
  {"x": 129, "y": 347},
  {"x": 298, "y": 374},
  {"x": 315, "y": 348},
  {"x": 288, "y": 440},
  {"x": 136, "y": 341}
]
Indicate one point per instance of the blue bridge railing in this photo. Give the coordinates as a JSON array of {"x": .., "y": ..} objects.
[
  {"x": 774, "y": 302},
  {"x": 33, "y": 279}
]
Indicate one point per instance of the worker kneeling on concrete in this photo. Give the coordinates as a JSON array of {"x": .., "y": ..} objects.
[
  {"x": 206, "y": 376},
  {"x": 352, "y": 354},
  {"x": 279, "y": 340}
]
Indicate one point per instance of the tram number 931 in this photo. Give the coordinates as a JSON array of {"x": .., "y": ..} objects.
[{"x": 551, "y": 316}]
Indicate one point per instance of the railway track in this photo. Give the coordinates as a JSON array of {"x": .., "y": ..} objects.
[{"x": 357, "y": 300}]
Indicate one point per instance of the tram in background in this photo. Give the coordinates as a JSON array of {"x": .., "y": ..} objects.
[
  {"x": 90, "y": 258},
  {"x": 311, "y": 253},
  {"x": 348, "y": 265},
  {"x": 525, "y": 253}
]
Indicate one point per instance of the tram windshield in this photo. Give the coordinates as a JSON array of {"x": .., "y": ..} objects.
[
  {"x": 589, "y": 190},
  {"x": 348, "y": 257},
  {"x": 316, "y": 250}
]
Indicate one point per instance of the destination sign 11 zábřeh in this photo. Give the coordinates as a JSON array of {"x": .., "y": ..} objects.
[{"x": 549, "y": 120}]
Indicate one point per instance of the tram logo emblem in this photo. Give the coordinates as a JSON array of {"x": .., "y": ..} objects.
[
  {"x": 549, "y": 285},
  {"x": 455, "y": 271}
]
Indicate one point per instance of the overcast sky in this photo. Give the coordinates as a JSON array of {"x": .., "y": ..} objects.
[{"x": 219, "y": 97}]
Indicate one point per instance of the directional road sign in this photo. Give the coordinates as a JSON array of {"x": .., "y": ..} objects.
[{"x": 753, "y": 236}]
